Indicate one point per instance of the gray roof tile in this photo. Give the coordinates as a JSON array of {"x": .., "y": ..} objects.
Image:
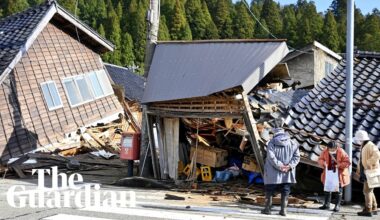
[
  {"x": 133, "y": 84},
  {"x": 326, "y": 104},
  {"x": 15, "y": 30}
]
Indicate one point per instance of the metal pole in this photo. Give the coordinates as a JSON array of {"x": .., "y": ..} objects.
[{"x": 349, "y": 88}]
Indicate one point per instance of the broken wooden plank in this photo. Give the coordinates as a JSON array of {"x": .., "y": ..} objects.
[
  {"x": 132, "y": 118},
  {"x": 152, "y": 148},
  {"x": 254, "y": 136},
  {"x": 19, "y": 171}
]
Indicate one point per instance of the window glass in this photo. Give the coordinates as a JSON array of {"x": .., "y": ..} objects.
[
  {"x": 47, "y": 96},
  {"x": 72, "y": 92},
  {"x": 84, "y": 88},
  {"x": 54, "y": 94},
  {"x": 87, "y": 87},
  {"x": 51, "y": 95},
  {"x": 95, "y": 85},
  {"x": 106, "y": 85},
  {"x": 329, "y": 67}
]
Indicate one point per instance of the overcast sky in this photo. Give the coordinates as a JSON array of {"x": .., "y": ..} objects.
[{"x": 365, "y": 6}]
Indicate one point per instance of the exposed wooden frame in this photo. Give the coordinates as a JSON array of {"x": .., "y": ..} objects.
[
  {"x": 62, "y": 12},
  {"x": 254, "y": 136},
  {"x": 202, "y": 104},
  {"x": 243, "y": 108},
  {"x": 163, "y": 114},
  {"x": 152, "y": 146}
]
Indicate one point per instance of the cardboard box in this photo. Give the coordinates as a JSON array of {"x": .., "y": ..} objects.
[
  {"x": 210, "y": 156},
  {"x": 250, "y": 164}
]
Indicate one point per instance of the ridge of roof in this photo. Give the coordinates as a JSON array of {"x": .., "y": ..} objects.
[
  {"x": 327, "y": 50},
  {"x": 133, "y": 83},
  {"x": 28, "y": 10},
  {"x": 221, "y": 41},
  {"x": 310, "y": 47},
  {"x": 120, "y": 67},
  {"x": 19, "y": 31},
  {"x": 366, "y": 54}
]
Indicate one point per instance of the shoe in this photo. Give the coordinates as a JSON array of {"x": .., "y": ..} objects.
[
  {"x": 366, "y": 212},
  {"x": 326, "y": 205},
  {"x": 374, "y": 211},
  {"x": 284, "y": 204},
  {"x": 268, "y": 204},
  {"x": 338, "y": 202}
]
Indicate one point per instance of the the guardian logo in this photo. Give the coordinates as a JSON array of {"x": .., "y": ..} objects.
[{"x": 72, "y": 192}]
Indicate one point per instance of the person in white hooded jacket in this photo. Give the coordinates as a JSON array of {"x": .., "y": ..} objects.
[{"x": 369, "y": 159}]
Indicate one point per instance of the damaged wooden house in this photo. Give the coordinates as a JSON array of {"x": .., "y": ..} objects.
[
  {"x": 52, "y": 79},
  {"x": 201, "y": 107},
  {"x": 132, "y": 86},
  {"x": 320, "y": 115},
  {"x": 311, "y": 64}
]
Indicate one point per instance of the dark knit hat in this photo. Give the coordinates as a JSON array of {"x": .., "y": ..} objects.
[{"x": 332, "y": 144}]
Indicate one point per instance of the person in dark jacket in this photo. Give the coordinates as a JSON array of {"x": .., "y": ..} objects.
[{"x": 280, "y": 169}]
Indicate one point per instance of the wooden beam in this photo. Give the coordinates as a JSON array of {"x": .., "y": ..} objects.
[
  {"x": 161, "y": 146},
  {"x": 152, "y": 147},
  {"x": 132, "y": 118},
  {"x": 254, "y": 135},
  {"x": 181, "y": 114}
]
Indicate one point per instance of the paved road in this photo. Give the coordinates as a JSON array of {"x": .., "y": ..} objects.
[{"x": 151, "y": 205}]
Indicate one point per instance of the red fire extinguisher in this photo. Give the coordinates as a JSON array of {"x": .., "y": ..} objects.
[{"x": 130, "y": 146}]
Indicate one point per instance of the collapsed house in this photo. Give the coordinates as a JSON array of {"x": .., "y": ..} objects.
[
  {"x": 132, "y": 85},
  {"x": 311, "y": 64},
  {"x": 199, "y": 93},
  {"x": 320, "y": 116},
  {"x": 52, "y": 79}
]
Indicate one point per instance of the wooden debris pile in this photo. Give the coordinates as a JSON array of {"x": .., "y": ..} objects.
[
  {"x": 23, "y": 166},
  {"x": 92, "y": 148}
]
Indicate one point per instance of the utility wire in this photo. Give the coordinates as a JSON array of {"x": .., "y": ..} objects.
[
  {"x": 257, "y": 20},
  {"x": 266, "y": 29},
  {"x": 76, "y": 28}
]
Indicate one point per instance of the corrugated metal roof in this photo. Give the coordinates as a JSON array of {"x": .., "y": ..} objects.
[
  {"x": 194, "y": 69},
  {"x": 133, "y": 84}
]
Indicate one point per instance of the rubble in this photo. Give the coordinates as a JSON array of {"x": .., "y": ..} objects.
[{"x": 89, "y": 149}]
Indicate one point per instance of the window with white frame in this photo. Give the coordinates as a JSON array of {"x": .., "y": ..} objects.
[
  {"x": 51, "y": 95},
  {"x": 329, "y": 67},
  {"x": 87, "y": 87}
]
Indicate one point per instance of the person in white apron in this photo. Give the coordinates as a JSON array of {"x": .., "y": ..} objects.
[{"x": 334, "y": 159}]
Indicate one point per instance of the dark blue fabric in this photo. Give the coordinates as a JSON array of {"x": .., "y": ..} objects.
[{"x": 284, "y": 188}]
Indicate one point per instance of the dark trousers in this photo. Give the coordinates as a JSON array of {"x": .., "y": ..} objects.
[
  {"x": 284, "y": 188},
  {"x": 337, "y": 193}
]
